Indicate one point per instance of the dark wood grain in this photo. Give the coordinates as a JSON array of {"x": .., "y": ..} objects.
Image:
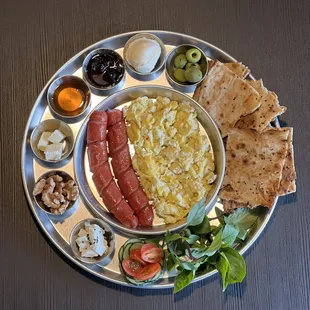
[{"x": 37, "y": 37}]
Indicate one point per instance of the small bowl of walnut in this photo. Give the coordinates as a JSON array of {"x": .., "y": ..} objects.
[{"x": 56, "y": 193}]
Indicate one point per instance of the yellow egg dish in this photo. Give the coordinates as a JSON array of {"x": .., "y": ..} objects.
[{"x": 172, "y": 158}]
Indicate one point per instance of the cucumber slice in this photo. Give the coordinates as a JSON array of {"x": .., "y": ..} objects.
[
  {"x": 130, "y": 241},
  {"x": 126, "y": 252},
  {"x": 136, "y": 246},
  {"x": 146, "y": 282},
  {"x": 120, "y": 253},
  {"x": 136, "y": 282},
  {"x": 157, "y": 276}
]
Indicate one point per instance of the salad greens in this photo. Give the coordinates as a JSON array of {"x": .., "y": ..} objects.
[{"x": 202, "y": 247}]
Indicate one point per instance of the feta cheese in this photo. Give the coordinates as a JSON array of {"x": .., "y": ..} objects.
[
  {"x": 56, "y": 137},
  {"x": 96, "y": 239},
  {"x": 91, "y": 240},
  {"x": 43, "y": 142},
  {"x": 88, "y": 253},
  {"x": 82, "y": 242},
  {"x": 98, "y": 248},
  {"x": 82, "y": 232},
  {"x": 53, "y": 151}
]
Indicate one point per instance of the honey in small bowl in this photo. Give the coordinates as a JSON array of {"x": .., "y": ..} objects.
[
  {"x": 68, "y": 96},
  {"x": 69, "y": 99}
]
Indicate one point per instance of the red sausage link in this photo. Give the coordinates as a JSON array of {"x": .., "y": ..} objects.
[
  {"x": 97, "y": 154},
  {"x": 114, "y": 116},
  {"x": 124, "y": 214},
  {"x": 146, "y": 216},
  {"x": 138, "y": 200},
  {"x": 97, "y": 127},
  {"x": 117, "y": 137},
  {"x": 123, "y": 171},
  {"x": 102, "y": 177},
  {"x": 128, "y": 183},
  {"x": 121, "y": 161},
  {"x": 111, "y": 195},
  {"x": 99, "y": 116},
  {"x": 131, "y": 222}
]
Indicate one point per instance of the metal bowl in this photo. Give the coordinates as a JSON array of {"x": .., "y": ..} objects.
[
  {"x": 186, "y": 86},
  {"x": 156, "y": 72},
  {"x": 72, "y": 204},
  {"x": 109, "y": 236},
  {"x": 83, "y": 175},
  {"x": 102, "y": 91},
  {"x": 51, "y": 125},
  {"x": 73, "y": 81}
]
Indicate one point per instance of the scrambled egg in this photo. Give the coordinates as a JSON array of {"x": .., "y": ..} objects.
[{"x": 172, "y": 159}]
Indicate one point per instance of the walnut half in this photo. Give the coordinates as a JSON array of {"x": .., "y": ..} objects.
[{"x": 56, "y": 194}]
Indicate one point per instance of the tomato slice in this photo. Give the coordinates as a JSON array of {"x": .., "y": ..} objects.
[
  {"x": 148, "y": 272},
  {"x": 132, "y": 267},
  {"x": 136, "y": 255},
  {"x": 151, "y": 253}
]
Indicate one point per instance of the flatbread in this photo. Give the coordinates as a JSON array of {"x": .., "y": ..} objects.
[
  {"x": 254, "y": 166},
  {"x": 226, "y": 97},
  {"x": 237, "y": 67},
  {"x": 269, "y": 109},
  {"x": 288, "y": 184},
  {"x": 229, "y": 206}
]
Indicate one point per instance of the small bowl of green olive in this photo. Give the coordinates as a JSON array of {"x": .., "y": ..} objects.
[{"x": 186, "y": 66}]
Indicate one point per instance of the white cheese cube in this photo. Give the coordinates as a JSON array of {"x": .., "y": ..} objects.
[
  {"x": 43, "y": 142},
  {"x": 94, "y": 232},
  {"x": 56, "y": 137},
  {"x": 82, "y": 242},
  {"x": 96, "y": 239},
  {"x": 53, "y": 151},
  {"x": 82, "y": 232},
  {"x": 91, "y": 241},
  {"x": 89, "y": 253},
  {"x": 99, "y": 248}
]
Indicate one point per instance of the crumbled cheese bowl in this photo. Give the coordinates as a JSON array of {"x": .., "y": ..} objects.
[{"x": 92, "y": 241}]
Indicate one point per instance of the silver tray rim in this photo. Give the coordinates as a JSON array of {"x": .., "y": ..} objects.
[{"x": 30, "y": 200}]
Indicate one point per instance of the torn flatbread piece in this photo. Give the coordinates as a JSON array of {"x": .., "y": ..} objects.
[
  {"x": 269, "y": 109},
  {"x": 237, "y": 67},
  {"x": 229, "y": 206},
  {"x": 254, "y": 164},
  {"x": 288, "y": 184},
  {"x": 226, "y": 97}
]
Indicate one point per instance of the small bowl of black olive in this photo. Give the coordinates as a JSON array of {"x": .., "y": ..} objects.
[{"x": 104, "y": 71}]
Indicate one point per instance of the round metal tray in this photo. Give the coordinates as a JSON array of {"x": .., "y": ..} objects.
[{"x": 58, "y": 230}]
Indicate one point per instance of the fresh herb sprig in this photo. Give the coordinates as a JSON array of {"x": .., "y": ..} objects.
[{"x": 202, "y": 247}]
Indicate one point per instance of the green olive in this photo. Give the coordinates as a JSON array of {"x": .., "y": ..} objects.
[
  {"x": 192, "y": 65},
  {"x": 179, "y": 75},
  {"x": 180, "y": 61},
  {"x": 193, "y": 75},
  {"x": 193, "y": 55}
]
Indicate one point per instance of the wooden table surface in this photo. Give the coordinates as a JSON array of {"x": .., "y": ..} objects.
[{"x": 37, "y": 37}]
